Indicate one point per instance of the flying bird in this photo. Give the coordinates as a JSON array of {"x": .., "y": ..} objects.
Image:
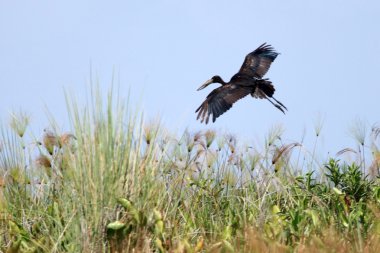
[{"x": 249, "y": 80}]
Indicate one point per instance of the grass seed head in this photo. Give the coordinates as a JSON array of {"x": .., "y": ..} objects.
[
  {"x": 211, "y": 159},
  {"x": 43, "y": 161},
  {"x": 318, "y": 125},
  {"x": 359, "y": 130},
  {"x": 220, "y": 143},
  {"x": 274, "y": 134},
  {"x": 231, "y": 141},
  {"x": 210, "y": 137},
  {"x": 19, "y": 123},
  {"x": 232, "y": 148},
  {"x": 148, "y": 134},
  {"x": 150, "y": 131},
  {"x": 189, "y": 141},
  {"x": 254, "y": 160},
  {"x": 50, "y": 141},
  {"x": 65, "y": 139},
  {"x": 198, "y": 136},
  {"x": 346, "y": 150}
]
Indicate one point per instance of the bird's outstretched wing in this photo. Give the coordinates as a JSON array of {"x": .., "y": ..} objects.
[
  {"x": 257, "y": 63},
  {"x": 221, "y": 100}
]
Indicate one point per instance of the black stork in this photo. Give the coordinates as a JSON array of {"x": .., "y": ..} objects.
[{"x": 249, "y": 80}]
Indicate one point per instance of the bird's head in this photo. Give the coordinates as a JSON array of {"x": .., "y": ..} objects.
[{"x": 214, "y": 79}]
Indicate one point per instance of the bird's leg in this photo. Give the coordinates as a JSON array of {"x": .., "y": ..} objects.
[
  {"x": 276, "y": 105},
  {"x": 280, "y": 103}
]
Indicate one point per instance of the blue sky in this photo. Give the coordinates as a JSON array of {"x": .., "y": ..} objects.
[{"x": 164, "y": 50}]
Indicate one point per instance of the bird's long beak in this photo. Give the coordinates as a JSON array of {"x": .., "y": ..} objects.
[{"x": 207, "y": 83}]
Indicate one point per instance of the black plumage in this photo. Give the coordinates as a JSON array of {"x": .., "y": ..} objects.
[{"x": 249, "y": 80}]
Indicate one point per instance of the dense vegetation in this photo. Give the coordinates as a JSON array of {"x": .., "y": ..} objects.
[{"x": 114, "y": 183}]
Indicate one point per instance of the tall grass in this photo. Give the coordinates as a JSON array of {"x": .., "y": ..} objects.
[{"x": 115, "y": 183}]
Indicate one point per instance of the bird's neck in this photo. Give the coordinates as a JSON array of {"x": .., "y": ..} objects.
[{"x": 221, "y": 81}]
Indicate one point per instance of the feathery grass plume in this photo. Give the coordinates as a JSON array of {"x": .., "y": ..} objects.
[
  {"x": 163, "y": 143},
  {"x": 346, "y": 150},
  {"x": 220, "y": 142},
  {"x": 19, "y": 122},
  {"x": 49, "y": 141},
  {"x": 66, "y": 139},
  {"x": 358, "y": 130},
  {"x": 189, "y": 141},
  {"x": 233, "y": 158},
  {"x": 210, "y": 137},
  {"x": 199, "y": 140},
  {"x": 241, "y": 165},
  {"x": 198, "y": 136},
  {"x": 150, "y": 131},
  {"x": 318, "y": 124},
  {"x": 284, "y": 151},
  {"x": 231, "y": 142},
  {"x": 179, "y": 164},
  {"x": 230, "y": 138},
  {"x": 44, "y": 162},
  {"x": 12, "y": 152},
  {"x": 211, "y": 159},
  {"x": 275, "y": 133},
  {"x": 253, "y": 160}
]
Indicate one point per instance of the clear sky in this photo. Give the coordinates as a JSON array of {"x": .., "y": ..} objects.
[{"x": 164, "y": 50}]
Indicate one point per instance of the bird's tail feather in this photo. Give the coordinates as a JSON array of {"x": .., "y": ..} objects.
[{"x": 266, "y": 87}]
